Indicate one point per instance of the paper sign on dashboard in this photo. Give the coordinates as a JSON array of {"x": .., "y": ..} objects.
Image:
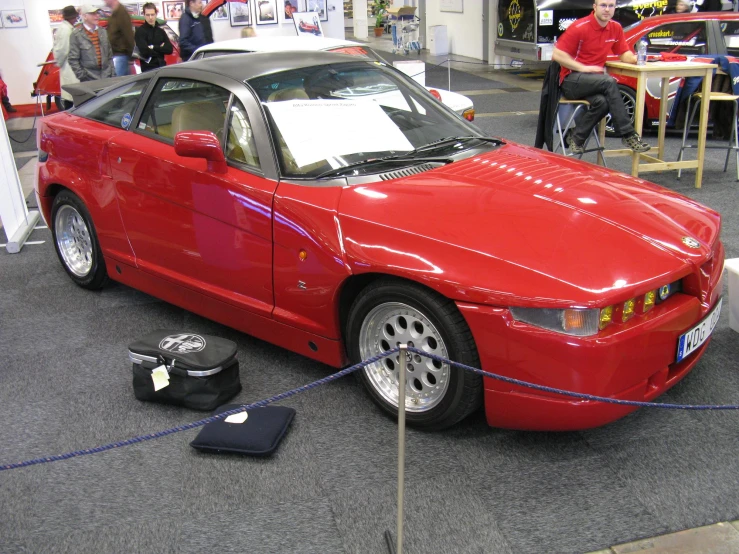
[{"x": 317, "y": 130}]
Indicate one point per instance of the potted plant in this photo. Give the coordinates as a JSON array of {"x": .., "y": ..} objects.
[{"x": 379, "y": 7}]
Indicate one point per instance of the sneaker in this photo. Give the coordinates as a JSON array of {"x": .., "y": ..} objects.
[
  {"x": 635, "y": 142},
  {"x": 574, "y": 147}
]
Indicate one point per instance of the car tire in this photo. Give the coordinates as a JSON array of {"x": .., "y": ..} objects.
[
  {"x": 389, "y": 312},
  {"x": 76, "y": 241},
  {"x": 629, "y": 97}
]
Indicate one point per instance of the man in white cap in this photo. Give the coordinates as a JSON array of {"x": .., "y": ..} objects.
[{"x": 90, "y": 54}]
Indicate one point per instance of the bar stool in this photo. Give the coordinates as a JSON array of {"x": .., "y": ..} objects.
[
  {"x": 575, "y": 106},
  {"x": 733, "y": 142}
]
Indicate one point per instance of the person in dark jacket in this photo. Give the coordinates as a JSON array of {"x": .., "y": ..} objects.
[
  {"x": 152, "y": 41},
  {"x": 120, "y": 34},
  {"x": 195, "y": 29}
]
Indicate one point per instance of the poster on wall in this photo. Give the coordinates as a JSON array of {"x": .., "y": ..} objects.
[
  {"x": 240, "y": 14},
  {"x": 318, "y": 6},
  {"x": 173, "y": 10},
  {"x": 132, "y": 9},
  {"x": 451, "y": 6},
  {"x": 307, "y": 23},
  {"x": 55, "y": 17},
  {"x": 157, "y": 5},
  {"x": 266, "y": 12},
  {"x": 220, "y": 13},
  {"x": 291, "y": 6},
  {"x": 14, "y": 18}
]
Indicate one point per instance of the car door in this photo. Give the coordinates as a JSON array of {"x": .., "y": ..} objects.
[
  {"x": 198, "y": 229},
  {"x": 80, "y": 140}
]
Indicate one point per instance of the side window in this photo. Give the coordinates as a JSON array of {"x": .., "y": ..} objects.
[
  {"x": 730, "y": 31},
  {"x": 687, "y": 38},
  {"x": 183, "y": 105},
  {"x": 115, "y": 107},
  {"x": 241, "y": 146}
]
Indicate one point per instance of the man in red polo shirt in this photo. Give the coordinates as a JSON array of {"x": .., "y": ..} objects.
[{"x": 582, "y": 52}]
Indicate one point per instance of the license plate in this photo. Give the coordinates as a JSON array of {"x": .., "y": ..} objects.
[{"x": 690, "y": 341}]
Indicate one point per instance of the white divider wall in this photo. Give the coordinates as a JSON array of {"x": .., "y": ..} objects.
[
  {"x": 24, "y": 48},
  {"x": 463, "y": 29}
]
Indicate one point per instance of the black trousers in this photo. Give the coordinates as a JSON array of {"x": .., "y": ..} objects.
[{"x": 603, "y": 94}]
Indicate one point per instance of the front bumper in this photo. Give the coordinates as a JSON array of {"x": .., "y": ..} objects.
[{"x": 635, "y": 362}]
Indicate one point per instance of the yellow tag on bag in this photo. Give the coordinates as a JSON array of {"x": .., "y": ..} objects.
[{"x": 160, "y": 377}]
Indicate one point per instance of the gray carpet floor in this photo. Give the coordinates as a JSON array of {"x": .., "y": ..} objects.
[{"x": 65, "y": 384}]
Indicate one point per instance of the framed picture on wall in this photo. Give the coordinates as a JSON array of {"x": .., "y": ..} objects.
[
  {"x": 318, "y": 6},
  {"x": 291, "y": 6},
  {"x": 132, "y": 9},
  {"x": 240, "y": 14},
  {"x": 172, "y": 10},
  {"x": 266, "y": 11},
  {"x": 55, "y": 17},
  {"x": 307, "y": 23},
  {"x": 14, "y": 18},
  {"x": 220, "y": 13},
  {"x": 157, "y": 5},
  {"x": 451, "y": 6}
]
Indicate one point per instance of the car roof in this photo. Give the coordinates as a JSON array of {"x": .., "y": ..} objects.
[
  {"x": 277, "y": 44},
  {"x": 243, "y": 67}
]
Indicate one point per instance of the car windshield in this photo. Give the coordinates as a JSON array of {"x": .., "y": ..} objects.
[{"x": 327, "y": 117}]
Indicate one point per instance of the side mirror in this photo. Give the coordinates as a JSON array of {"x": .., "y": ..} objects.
[{"x": 201, "y": 144}]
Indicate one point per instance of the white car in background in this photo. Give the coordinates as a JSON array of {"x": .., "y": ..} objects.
[{"x": 459, "y": 103}]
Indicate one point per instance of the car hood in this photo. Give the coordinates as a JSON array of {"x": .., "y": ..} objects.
[{"x": 520, "y": 222}]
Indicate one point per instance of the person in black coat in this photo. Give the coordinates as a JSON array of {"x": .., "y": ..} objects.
[
  {"x": 195, "y": 29},
  {"x": 151, "y": 40}
]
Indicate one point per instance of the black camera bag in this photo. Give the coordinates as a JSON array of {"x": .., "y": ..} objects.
[{"x": 203, "y": 371}]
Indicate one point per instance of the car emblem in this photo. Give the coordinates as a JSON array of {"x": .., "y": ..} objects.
[
  {"x": 691, "y": 243},
  {"x": 664, "y": 292},
  {"x": 182, "y": 344}
]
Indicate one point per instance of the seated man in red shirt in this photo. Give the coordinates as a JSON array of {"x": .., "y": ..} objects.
[{"x": 582, "y": 52}]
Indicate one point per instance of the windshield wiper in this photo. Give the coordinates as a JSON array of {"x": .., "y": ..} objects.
[
  {"x": 401, "y": 159},
  {"x": 449, "y": 140}
]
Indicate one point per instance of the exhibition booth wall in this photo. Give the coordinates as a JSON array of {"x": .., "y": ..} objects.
[
  {"x": 24, "y": 47},
  {"x": 464, "y": 25}
]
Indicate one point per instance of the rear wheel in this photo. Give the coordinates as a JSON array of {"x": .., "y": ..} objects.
[
  {"x": 392, "y": 312},
  {"x": 629, "y": 98},
  {"x": 76, "y": 242}
]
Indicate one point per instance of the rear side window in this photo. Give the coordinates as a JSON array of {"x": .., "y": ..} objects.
[
  {"x": 730, "y": 32},
  {"x": 687, "y": 38},
  {"x": 183, "y": 105},
  {"x": 115, "y": 107}
]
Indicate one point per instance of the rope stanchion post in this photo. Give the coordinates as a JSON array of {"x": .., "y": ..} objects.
[{"x": 401, "y": 444}]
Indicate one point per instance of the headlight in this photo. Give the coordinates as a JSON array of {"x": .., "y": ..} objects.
[{"x": 580, "y": 323}]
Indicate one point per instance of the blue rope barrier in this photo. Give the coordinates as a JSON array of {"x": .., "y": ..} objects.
[
  {"x": 200, "y": 423},
  {"x": 579, "y": 395},
  {"x": 343, "y": 373}
]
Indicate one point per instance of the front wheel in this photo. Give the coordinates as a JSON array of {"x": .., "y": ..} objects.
[
  {"x": 76, "y": 242},
  {"x": 629, "y": 97},
  {"x": 391, "y": 312}
]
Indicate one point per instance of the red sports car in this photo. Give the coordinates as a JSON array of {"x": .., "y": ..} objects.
[
  {"x": 209, "y": 185},
  {"x": 308, "y": 28},
  {"x": 47, "y": 82},
  {"x": 688, "y": 34}
]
